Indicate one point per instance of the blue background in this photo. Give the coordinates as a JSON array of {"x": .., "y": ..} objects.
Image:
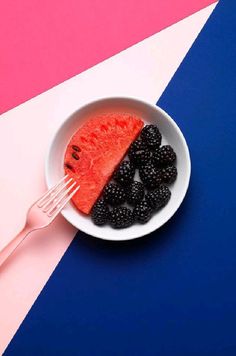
[{"x": 174, "y": 292}]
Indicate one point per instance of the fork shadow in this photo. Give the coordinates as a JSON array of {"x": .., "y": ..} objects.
[{"x": 157, "y": 239}]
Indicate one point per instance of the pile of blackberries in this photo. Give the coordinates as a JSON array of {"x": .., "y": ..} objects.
[{"x": 155, "y": 164}]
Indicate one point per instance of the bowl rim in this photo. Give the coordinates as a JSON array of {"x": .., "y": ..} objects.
[{"x": 180, "y": 135}]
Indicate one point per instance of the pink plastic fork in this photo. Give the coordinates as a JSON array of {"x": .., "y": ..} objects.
[{"x": 43, "y": 212}]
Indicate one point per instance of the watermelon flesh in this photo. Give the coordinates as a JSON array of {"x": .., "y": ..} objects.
[{"x": 95, "y": 151}]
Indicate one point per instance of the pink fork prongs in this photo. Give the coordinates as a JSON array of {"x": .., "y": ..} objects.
[
  {"x": 57, "y": 197},
  {"x": 43, "y": 212},
  {"x": 52, "y": 192}
]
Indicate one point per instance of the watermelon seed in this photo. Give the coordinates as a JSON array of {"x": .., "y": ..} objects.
[
  {"x": 75, "y": 156},
  {"x": 69, "y": 166},
  {"x": 76, "y": 148}
]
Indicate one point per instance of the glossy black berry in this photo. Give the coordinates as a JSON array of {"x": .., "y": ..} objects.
[
  {"x": 151, "y": 136},
  {"x": 164, "y": 156},
  {"x": 169, "y": 174},
  {"x": 139, "y": 154},
  {"x": 135, "y": 193},
  {"x": 158, "y": 197},
  {"x": 125, "y": 173},
  {"x": 121, "y": 217},
  {"x": 114, "y": 194},
  {"x": 150, "y": 176},
  {"x": 142, "y": 212},
  {"x": 100, "y": 213}
]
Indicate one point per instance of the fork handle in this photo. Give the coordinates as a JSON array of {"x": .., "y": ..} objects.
[{"x": 13, "y": 244}]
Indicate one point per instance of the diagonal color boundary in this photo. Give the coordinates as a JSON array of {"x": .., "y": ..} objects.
[
  {"x": 36, "y": 260},
  {"x": 171, "y": 293},
  {"x": 43, "y": 43}
]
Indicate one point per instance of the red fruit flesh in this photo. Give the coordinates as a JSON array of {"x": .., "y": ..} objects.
[{"x": 95, "y": 151}]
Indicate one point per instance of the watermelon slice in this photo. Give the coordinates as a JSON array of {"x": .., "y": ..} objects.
[{"x": 94, "y": 152}]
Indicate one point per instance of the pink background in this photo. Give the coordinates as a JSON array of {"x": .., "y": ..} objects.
[
  {"x": 38, "y": 51},
  {"x": 42, "y": 43}
]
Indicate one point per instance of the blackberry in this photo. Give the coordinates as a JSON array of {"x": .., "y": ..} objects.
[
  {"x": 121, "y": 217},
  {"x": 143, "y": 212},
  {"x": 165, "y": 155},
  {"x": 169, "y": 174},
  {"x": 158, "y": 197},
  {"x": 100, "y": 213},
  {"x": 138, "y": 153},
  {"x": 114, "y": 194},
  {"x": 151, "y": 136},
  {"x": 150, "y": 176},
  {"x": 125, "y": 173},
  {"x": 135, "y": 193}
]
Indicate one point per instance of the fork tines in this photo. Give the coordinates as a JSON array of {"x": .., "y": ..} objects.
[{"x": 58, "y": 196}]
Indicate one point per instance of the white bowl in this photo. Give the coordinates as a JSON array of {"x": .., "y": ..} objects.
[{"x": 171, "y": 134}]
